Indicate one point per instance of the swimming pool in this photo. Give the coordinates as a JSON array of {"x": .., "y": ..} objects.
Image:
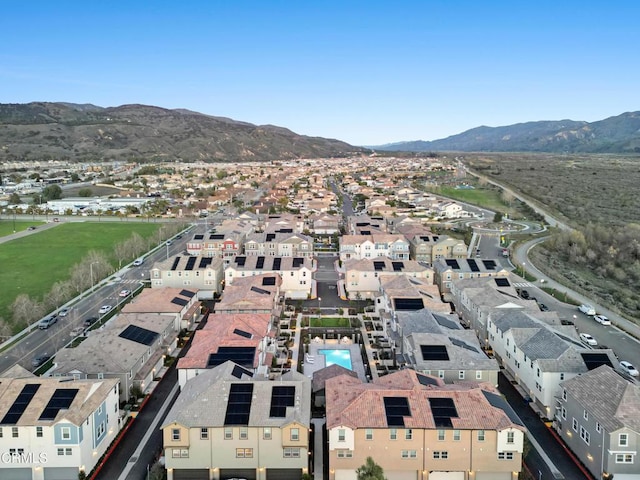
[{"x": 340, "y": 357}]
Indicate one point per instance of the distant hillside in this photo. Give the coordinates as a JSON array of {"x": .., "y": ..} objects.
[
  {"x": 65, "y": 131},
  {"x": 620, "y": 134}
]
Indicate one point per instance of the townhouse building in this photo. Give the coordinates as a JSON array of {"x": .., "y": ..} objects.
[
  {"x": 407, "y": 293},
  {"x": 202, "y": 274},
  {"x": 296, "y": 272},
  {"x": 359, "y": 247},
  {"x": 415, "y": 427},
  {"x": 219, "y": 244},
  {"x": 449, "y": 269},
  {"x": 597, "y": 417},
  {"x": 283, "y": 222},
  {"x": 181, "y": 304},
  {"x": 226, "y": 423},
  {"x": 279, "y": 245},
  {"x": 52, "y": 428},
  {"x": 324, "y": 224},
  {"x": 365, "y": 225},
  {"x": 257, "y": 294},
  {"x": 429, "y": 248}
]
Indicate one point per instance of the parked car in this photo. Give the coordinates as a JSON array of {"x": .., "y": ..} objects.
[
  {"x": 524, "y": 294},
  {"x": 40, "y": 360},
  {"x": 104, "y": 309},
  {"x": 626, "y": 367},
  {"x": 138, "y": 261},
  {"x": 64, "y": 312},
  {"x": 169, "y": 242},
  {"x": 566, "y": 322},
  {"x": 76, "y": 332},
  {"x": 90, "y": 321},
  {"x": 47, "y": 322},
  {"x": 587, "y": 309},
  {"x": 588, "y": 339},
  {"x": 602, "y": 319},
  {"x": 124, "y": 293},
  {"x": 543, "y": 307},
  {"x": 31, "y": 228}
]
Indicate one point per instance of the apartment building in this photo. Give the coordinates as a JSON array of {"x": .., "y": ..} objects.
[
  {"x": 279, "y": 245},
  {"x": 228, "y": 424},
  {"x": 448, "y": 270},
  {"x": 416, "y": 427},
  {"x": 219, "y": 244},
  {"x": 429, "y": 248},
  {"x": 202, "y": 274},
  {"x": 358, "y": 247}
]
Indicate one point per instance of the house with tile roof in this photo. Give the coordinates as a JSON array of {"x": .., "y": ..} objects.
[
  {"x": 255, "y": 294},
  {"x": 415, "y": 426},
  {"x": 228, "y": 423},
  {"x": 598, "y": 417},
  {"x": 181, "y": 304},
  {"x": 55, "y": 428}
]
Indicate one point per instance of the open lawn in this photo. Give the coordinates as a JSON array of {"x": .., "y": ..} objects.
[
  {"x": 34, "y": 263},
  {"x": 6, "y": 226},
  {"x": 485, "y": 197}
]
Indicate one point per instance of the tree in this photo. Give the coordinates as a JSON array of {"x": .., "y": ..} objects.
[
  {"x": 370, "y": 471},
  {"x": 5, "y": 330},
  {"x": 14, "y": 199},
  {"x": 52, "y": 192},
  {"x": 59, "y": 293},
  {"x": 25, "y": 310},
  {"x": 497, "y": 218},
  {"x": 85, "y": 192}
]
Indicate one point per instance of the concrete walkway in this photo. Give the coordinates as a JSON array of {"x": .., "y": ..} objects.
[{"x": 318, "y": 448}]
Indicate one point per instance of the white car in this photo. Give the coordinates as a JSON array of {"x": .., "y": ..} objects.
[
  {"x": 626, "y": 367},
  {"x": 104, "y": 309},
  {"x": 602, "y": 319},
  {"x": 64, "y": 312},
  {"x": 587, "y": 309},
  {"x": 588, "y": 339},
  {"x": 138, "y": 261},
  {"x": 124, "y": 293}
]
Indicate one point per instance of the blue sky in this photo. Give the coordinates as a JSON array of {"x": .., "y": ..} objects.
[{"x": 364, "y": 72}]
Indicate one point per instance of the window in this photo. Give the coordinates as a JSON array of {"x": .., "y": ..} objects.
[
  {"x": 368, "y": 434},
  {"x": 461, "y": 375},
  {"x": 244, "y": 433},
  {"x": 478, "y": 374},
  {"x": 295, "y": 434},
  {"x": 623, "y": 440},
  {"x": 584, "y": 435},
  {"x": 564, "y": 394},
  {"x": 14, "y": 432},
  {"x": 244, "y": 452},
  {"x": 408, "y": 434},
  {"x": 39, "y": 433},
  {"x": 441, "y": 435},
  {"x": 393, "y": 434},
  {"x": 180, "y": 453},
  {"x": 575, "y": 425},
  {"x": 562, "y": 376},
  {"x": 408, "y": 454},
  {"x": 0, "y": 432},
  {"x": 440, "y": 373},
  {"x": 228, "y": 433},
  {"x": 481, "y": 435},
  {"x": 505, "y": 455},
  {"x": 510, "y": 437},
  {"x": 175, "y": 434},
  {"x": 204, "y": 433},
  {"x": 341, "y": 435},
  {"x": 456, "y": 435},
  {"x": 291, "y": 452},
  {"x": 65, "y": 432},
  {"x": 440, "y": 455},
  {"x": 624, "y": 457},
  {"x": 585, "y": 415},
  {"x": 563, "y": 412},
  {"x": 598, "y": 427},
  {"x": 345, "y": 453},
  {"x": 60, "y": 451},
  {"x": 266, "y": 433}
]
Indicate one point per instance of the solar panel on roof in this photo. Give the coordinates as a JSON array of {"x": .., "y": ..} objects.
[
  {"x": 426, "y": 380},
  {"x": 240, "y": 261},
  {"x": 139, "y": 335},
  {"x": 434, "y": 352},
  {"x": 198, "y": 236},
  {"x": 489, "y": 264},
  {"x": 270, "y": 237},
  {"x": 442, "y": 410},
  {"x": 396, "y": 408},
  {"x": 459, "y": 343},
  {"x": 473, "y": 265},
  {"x": 365, "y": 232},
  {"x": 187, "y": 293},
  {"x": 282, "y": 396},
  {"x": 594, "y": 360},
  {"x": 205, "y": 262},
  {"x": 260, "y": 263},
  {"x": 362, "y": 224},
  {"x": 425, "y": 239},
  {"x": 176, "y": 261},
  {"x": 453, "y": 263},
  {"x": 61, "y": 399},
  {"x": 242, "y": 333},
  {"x": 298, "y": 262},
  {"x": 276, "y": 263},
  {"x": 445, "y": 322},
  {"x": 261, "y": 291},
  {"x": 378, "y": 265},
  {"x": 502, "y": 282},
  {"x": 408, "y": 303},
  {"x": 266, "y": 281},
  {"x": 239, "y": 404},
  {"x": 435, "y": 238},
  {"x": 216, "y": 236},
  {"x": 190, "y": 263},
  {"x": 241, "y": 355},
  {"x": 238, "y": 372},
  {"x": 179, "y": 301},
  {"x": 498, "y": 401},
  {"x": 20, "y": 404},
  {"x": 285, "y": 230},
  {"x": 397, "y": 266}
]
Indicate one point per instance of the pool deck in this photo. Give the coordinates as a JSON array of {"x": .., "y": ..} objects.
[{"x": 318, "y": 360}]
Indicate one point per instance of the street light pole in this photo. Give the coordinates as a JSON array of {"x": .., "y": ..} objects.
[
  {"x": 91, "y": 270},
  {"x": 319, "y": 308}
]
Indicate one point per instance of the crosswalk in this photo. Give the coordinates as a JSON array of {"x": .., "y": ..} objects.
[{"x": 522, "y": 284}]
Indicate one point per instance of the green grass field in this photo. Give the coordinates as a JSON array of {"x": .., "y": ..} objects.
[
  {"x": 482, "y": 197},
  {"x": 33, "y": 264},
  {"x": 6, "y": 226}
]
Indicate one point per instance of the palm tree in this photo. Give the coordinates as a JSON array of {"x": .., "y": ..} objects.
[{"x": 370, "y": 471}]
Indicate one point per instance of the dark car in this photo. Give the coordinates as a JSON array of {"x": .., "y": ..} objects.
[
  {"x": 524, "y": 294},
  {"x": 90, "y": 321},
  {"x": 543, "y": 307},
  {"x": 566, "y": 322},
  {"x": 40, "y": 360}
]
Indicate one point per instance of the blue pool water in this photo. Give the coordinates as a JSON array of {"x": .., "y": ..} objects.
[{"x": 339, "y": 357}]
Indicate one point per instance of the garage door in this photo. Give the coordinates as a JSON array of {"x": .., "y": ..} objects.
[
  {"x": 191, "y": 474},
  {"x": 17, "y": 474},
  {"x": 493, "y": 476},
  {"x": 284, "y": 473},
  {"x": 60, "y": 473},
  {"x": 228, "y": 473},
  {"x": 346, "y": 475},
  {"x": 446, "y": 476},
  {"x": 401, "y": 475}
]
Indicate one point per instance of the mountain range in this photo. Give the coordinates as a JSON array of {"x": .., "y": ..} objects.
[
  {"x": 619, "y": 134},
  {"x": 66, "y": 131}
]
